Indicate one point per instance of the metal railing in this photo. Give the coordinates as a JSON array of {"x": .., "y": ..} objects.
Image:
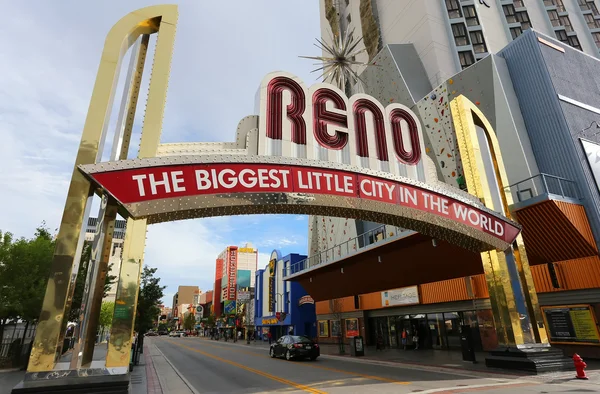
[
  {"x": 544, "y": 184},
  {"x": 348, "y": 248}
]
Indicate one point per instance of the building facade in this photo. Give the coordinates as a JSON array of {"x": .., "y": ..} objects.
[
  {"x": 450, "y": 35},
  {"x": 116, "y": 251},
  {"x": 540, "y": 97},
  {"x": 234, "y": 273},
  {"x": 184, "y": 296},
  {"x": 282, "y": 307}
]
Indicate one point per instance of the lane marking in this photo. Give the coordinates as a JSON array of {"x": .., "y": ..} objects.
[
  {"x": 256, "y": 371},
  {"x": 362, "y": 375},
  {"x": 490, "y": 375},
  {"x": 187, "y": 383}
]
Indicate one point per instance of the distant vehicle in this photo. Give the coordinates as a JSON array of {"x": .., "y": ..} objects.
[
  {"x": 151, "y": 334},
  {"x": 177, "y": 334},
  {"x": 163, "y": 333},
  {"x": 293, "y": 347}
]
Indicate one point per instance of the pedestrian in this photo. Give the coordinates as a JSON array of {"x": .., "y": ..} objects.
[
  {"x": 404, "y": 338},
  {"x": 416, "y": 339},
  {"x": 269, "y": 337}
]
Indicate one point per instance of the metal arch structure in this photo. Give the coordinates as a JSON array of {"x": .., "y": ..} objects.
[{"x": 378, "y": 173}]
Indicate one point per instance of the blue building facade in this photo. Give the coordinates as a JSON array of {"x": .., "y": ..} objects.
[{"x": 282, "y": 307}]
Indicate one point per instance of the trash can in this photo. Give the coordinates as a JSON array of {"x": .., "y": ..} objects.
[
  {"x": 357, "y": 348},
  {"x": 466, "y": 344}
]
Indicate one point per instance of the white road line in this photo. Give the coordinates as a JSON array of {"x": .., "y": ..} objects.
[{"x": 187, "y": 383}]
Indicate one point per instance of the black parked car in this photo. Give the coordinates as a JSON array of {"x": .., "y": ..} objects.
[{"x": 291, "y": 346}]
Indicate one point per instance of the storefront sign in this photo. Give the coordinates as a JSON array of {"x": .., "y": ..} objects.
[
  {"x": 246, "y": 250},
  {"x": 272, "y": 285},
  {"x": 571, "y": 324},
  {"x": 151, "y": 183},
  {"x": 269, "y": 321},
  {"x": 232, "y": 273},
  {"x": 229, "y": 307},
  {"x": 305, "y": 300},
  {"x": 403, "y": 296},
  {"x": 352, "y": 328}
]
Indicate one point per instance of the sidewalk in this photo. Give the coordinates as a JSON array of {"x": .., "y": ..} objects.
[{"x": 156, "y": 375}]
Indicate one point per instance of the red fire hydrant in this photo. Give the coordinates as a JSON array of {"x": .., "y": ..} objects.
[{"x": 580, "y": 365}]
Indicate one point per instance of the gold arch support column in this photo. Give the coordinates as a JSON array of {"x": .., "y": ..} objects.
[
  {"x": 121, "y": 335},
  {"x": 50, "y": 332},
  {"x": 515, "y": 306}
]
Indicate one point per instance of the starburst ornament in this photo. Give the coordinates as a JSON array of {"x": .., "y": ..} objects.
[{"x": 338, "y": 64}]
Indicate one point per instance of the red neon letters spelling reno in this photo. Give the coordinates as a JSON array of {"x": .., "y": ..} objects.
[{"x": 407, "y": 152}]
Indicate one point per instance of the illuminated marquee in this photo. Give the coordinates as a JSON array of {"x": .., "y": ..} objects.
[
  {"x": 232, "y": 273},
  {"x": 322, "y": 116},
  {"x": 312, "y": 151}
]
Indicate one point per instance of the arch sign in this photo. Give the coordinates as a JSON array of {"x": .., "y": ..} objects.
[{"x": 309, "y": 151}]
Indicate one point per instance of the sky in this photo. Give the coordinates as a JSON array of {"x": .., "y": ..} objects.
[{"x": 50, "y": 52}]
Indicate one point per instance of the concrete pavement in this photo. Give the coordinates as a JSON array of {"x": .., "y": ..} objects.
[{"x": 225, "y": 367}]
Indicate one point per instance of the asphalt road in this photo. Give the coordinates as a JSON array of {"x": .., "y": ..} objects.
[{"x": 219, "y": 367}]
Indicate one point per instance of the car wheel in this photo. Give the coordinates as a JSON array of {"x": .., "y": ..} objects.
[
  {"x": 313, "y": 358},
  {"x": 271, "y": 353},
  {"x": 288, "y": 355}
]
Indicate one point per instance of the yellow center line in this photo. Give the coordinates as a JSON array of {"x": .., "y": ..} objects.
[
  {"x": 256, "y": 371},
  {"x": 362, "y": 375}
]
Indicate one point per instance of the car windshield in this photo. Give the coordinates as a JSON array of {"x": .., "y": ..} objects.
[{"x": 298, "y": 339}]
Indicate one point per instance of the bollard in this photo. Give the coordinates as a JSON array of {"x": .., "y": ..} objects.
[{"x": 580, "y": 366}]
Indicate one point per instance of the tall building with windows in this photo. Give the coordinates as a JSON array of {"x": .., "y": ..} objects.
[
  {"x": 235, "y": 270},
  {"x": 116, "y": 251},
  {"x": 450, "y": 35}
]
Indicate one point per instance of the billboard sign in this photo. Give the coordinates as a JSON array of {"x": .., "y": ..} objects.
[{"x": 229, "y": 308}]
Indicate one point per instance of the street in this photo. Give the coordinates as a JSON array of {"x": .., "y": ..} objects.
[{"x": 206, "y": 366}]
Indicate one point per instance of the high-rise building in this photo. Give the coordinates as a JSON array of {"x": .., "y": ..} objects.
[
  {"x": 531, "y": 78},
  {"x": 235, "y": 269},
  {"x": 451, "y": 35}
]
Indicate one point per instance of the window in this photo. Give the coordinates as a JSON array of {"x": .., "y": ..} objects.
[
  {"x": 560, "y": 7},
  {"x": 478, "y": 42},
  {"x": 509, "y": 13},
  {"x": 549, "y": 3},
  {"x": 471, "y": 15},
  {"x": 518, "y": 3},
  {"x": 596, "y": 39},
  {"x": 591, "y": 21},
  {"x": 562, "y": 36},
  {"x": 592, "y": 6},
  {"x": 553, "y": 15},
  {"x": 566, "y": 22},
  {"x": 460, "y": 34},
  {"x": 515, "y": 32},
  {"x": 523, "y": 17},
  {"x": 574, "y": 42},
  {"x": 453, "y": 7},
  {"x": 466, "y": 58}
]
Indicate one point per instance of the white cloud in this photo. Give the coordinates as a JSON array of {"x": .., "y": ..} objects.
[{"x": 46, "y": 79}]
